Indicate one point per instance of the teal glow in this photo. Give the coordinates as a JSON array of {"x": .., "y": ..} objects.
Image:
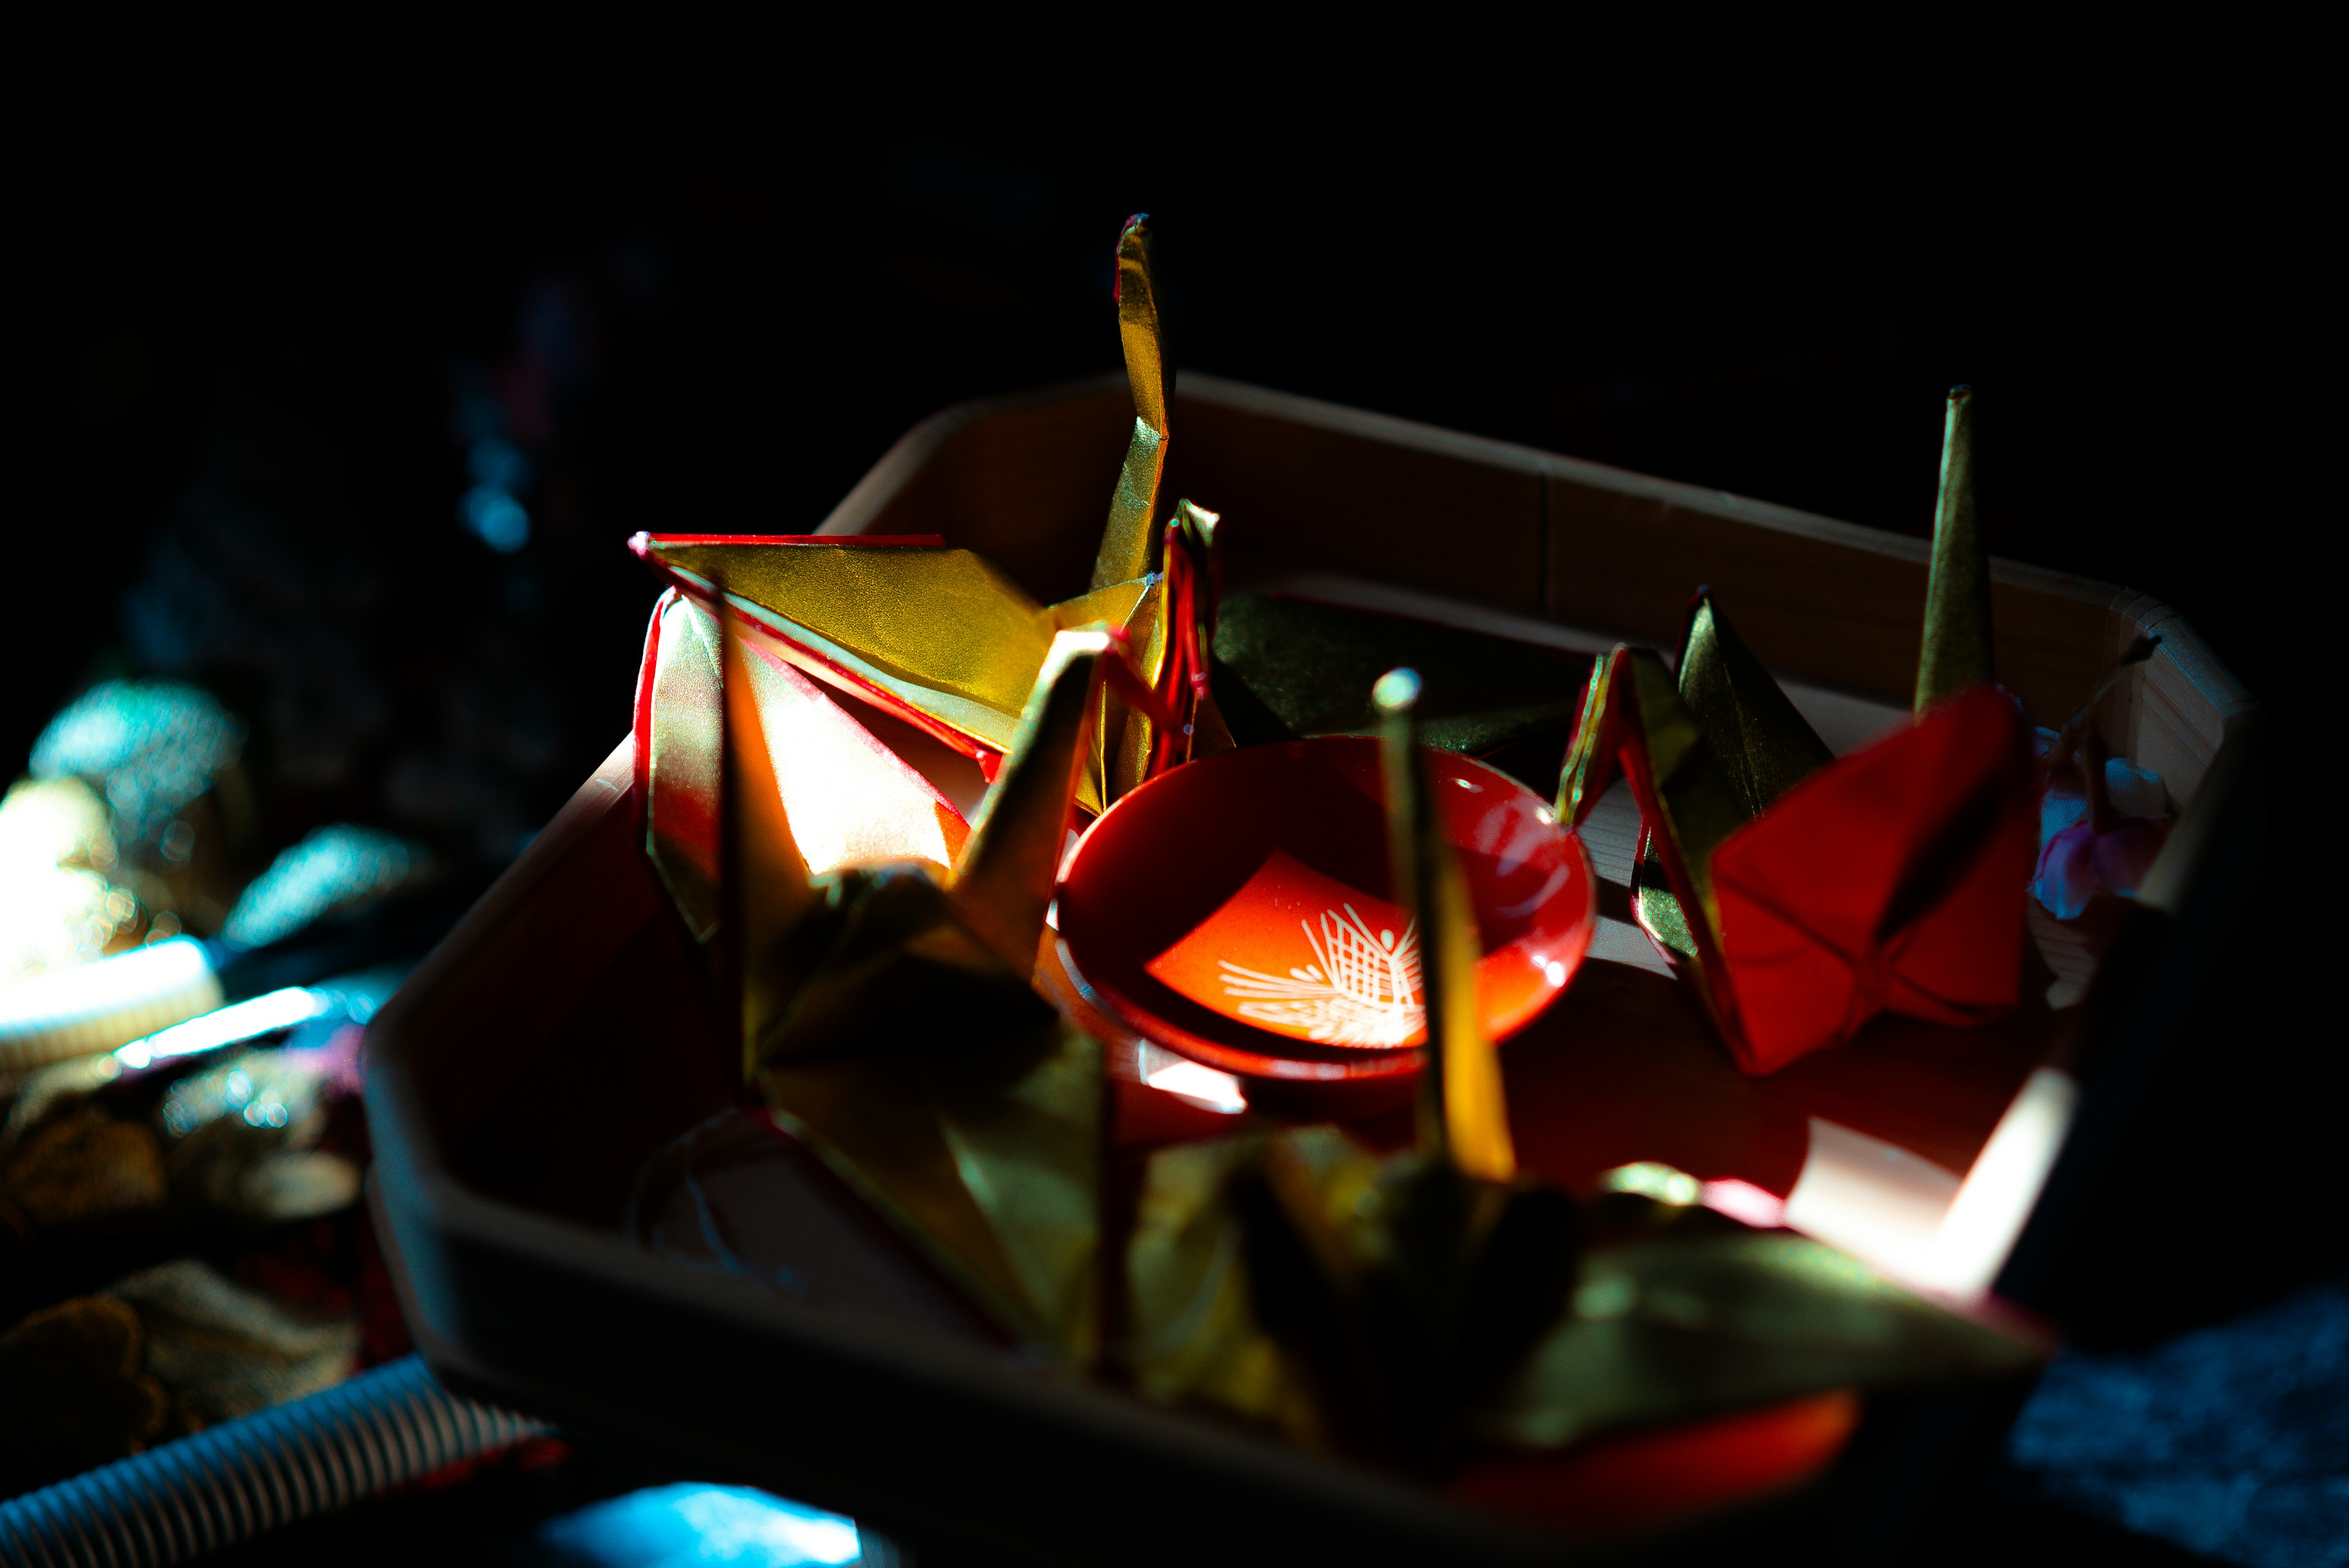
[
  {"x": 331, "y": 866},
  {"x": 692, "y": 1523},
  {"x": 151, "y": 745}
]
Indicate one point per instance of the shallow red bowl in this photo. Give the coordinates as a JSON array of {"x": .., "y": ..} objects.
[{"x": 1238, "y": 910}]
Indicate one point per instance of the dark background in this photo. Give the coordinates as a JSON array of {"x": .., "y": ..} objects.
[{"x": 701, "y": 270}]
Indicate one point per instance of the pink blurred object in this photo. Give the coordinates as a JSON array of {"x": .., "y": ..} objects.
[{"x": 2101, "y": 822}]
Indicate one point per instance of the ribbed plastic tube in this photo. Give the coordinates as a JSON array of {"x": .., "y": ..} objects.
[{"x": 244, "y": 1478}]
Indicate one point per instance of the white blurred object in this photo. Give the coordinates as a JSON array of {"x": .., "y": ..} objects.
[
  {"x": 1924, "y": 1225},
  {"x": 1990, "y": 1208},
  {"x": 100, "y": 1006},
  {"x": 57, "y": 908},
  {"x": 152, "y": 745},
  {"x": 1871, "y": 1198},
  {"x": 230, "y": 1025},
  {"x": 1202, "y": 1085}
]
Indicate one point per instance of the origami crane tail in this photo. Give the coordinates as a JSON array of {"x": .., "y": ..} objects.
[
  {"x": 1003, "y": 881},
  {"x": 1633, "y": 717},
  {"x": 1462, "y": 1113},
  {"x": 1125, "y": 542},
  {"x": 1956, "y": 654},
  {"x": 763, "y": 888},
  {"x": 1591, "y": 757},
  {"x": 679, "y": 754},
  {"x": 1187, "y": 611}
]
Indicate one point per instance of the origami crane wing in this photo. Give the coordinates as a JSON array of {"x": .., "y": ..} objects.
[
  {"x": 935, "y": 635},
  {"x": 849, "y": 797},
  {"x": 1890, "y": 880}
]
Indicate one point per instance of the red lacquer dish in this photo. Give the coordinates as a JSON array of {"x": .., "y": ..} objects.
[{"x": 1238, "y": 911}]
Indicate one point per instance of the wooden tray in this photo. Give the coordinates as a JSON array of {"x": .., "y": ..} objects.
[{"x": 554, "y": 1043}]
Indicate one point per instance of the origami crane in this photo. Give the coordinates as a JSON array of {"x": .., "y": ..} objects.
[
  {"x": 1401, "y": 1308},
  {"x": 886, "y": 1010},
  {"x": 939, "y": 638},
  {"x": 1381, "y": 1332},
  {"x": 1803, "y": 894}
]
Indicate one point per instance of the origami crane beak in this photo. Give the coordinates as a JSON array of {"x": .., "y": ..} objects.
[{"x": 1461, "y": 1115}]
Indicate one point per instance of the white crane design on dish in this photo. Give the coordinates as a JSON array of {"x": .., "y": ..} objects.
[{"x": 1362, "y": 988}]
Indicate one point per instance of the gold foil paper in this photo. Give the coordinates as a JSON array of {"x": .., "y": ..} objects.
[
  {"x": 1696, "y": 1320},
  {"x": 1956, "y": 654},
  {"x": 764, "y": 890},
  {"x": 1395, "y": 1290},
  {"x": 1631, "y": 689},
  {"x": 1762, "y": 746},
  {"x": 887, "y": 1014},
  {"x": 980, "y": 1147},
  {"x": 1287, "y": 667},
  {"x": 933, "y": 633},
  {"x": 1461, "y": 1113},
  {"x": 849, "y": 798},
  {"x": 1004, "y": 881},
  {"x": 938, "y": 630},
  {"x": 1670, "y": 1314},
  {"x": 938, "y": 635},
  {"x": 1631, "y": 693},
  {"x": 1194, "y": 1336},
  {"x": 1754, "y": 737},
  {"x": 1126, "y": 541}
]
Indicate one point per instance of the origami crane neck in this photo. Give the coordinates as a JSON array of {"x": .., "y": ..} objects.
[
  {"x": 941, "y": 639},
  {"x": 1125, "y": 542},
  {"x": 774, "y": 912},
  {"x": 1461, "y": 1115},
  {"x": 1956, "y": 654},
  {"x": 1004, "y": 877}
]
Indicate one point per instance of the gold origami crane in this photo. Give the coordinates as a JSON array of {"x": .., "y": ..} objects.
[
  {"x": 1381, "y": 1295},
  {"x": 885, "y": 1008},
  {"x": 939, "y": 637}
]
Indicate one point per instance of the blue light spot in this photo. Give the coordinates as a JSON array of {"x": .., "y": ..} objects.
[
  {"x": 331, "y": 866},
  {"x": 497, "y": 517},
  {"x": 691, "y": 1523}
]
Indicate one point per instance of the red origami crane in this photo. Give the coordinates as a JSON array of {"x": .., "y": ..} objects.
[{"x": 1805, "y": 894}]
